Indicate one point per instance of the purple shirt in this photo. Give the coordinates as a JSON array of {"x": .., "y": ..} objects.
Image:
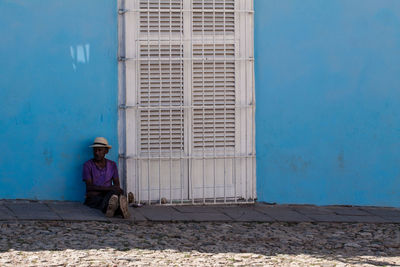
[{"x": 100, "y": 177}]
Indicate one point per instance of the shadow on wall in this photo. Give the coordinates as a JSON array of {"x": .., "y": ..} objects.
[{"x": 82, "y": 154}]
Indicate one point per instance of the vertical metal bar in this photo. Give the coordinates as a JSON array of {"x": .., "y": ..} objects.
[
  {"x": 170, "y": 102},
  {"x": 122, "y": 47},
  {"x": 237, "y": 94},
  {"x": 252, "y": 103},
  {"x": 148, "y": 103},
  {"x": 137, "y": 112},
  {"x": 214, "y": 102},
  {"x": 159, "y": 100},
  {"x": 182, "y": 95},
  {"x": 203, "y": 101},
  {"x": 246, "y": 98},
  {"x": 225, "y": 88},
  {"x": 188, "y": 91}
]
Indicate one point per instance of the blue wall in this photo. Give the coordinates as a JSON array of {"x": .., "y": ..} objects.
[
  {"x": 328, "y": 101},
  {"x": 58, "y": 90},
  {"x": 327, "y": 89}
]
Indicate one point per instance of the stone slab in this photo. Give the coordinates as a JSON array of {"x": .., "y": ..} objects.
[
  {"x": 75, "y": 211},
  {"x": 162, "y": 213},
  {"x": 136, "y": 216},
  {"x": 351, "y": 211},
  {"x": 208, "y": 217},
  {"x": 33, "y": 211},
  {"x": 259, "y": 212},
  {"x": 349, "y": 219},
  {"x": 392, "y": 219},
  {"x": 245, "y": 214},
  {"x": 312, "y": 210},
  {"x": 197, "y": 209},
  {"x": 382, "y": 212},
  {"x": 283, "y": 214},
  {"x": 6, "y": 214}
]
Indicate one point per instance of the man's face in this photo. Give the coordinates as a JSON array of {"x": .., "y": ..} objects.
[{"x": 99, "y": 153}]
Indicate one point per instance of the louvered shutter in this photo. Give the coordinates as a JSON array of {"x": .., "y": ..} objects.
[
  {"x": 213, "y": 98},
  {"x": 161, "y": 97},
  {"x": 160, "y": 16},
  {"x": 213, "y": 94},
  {"x": 213, "y": 16}
]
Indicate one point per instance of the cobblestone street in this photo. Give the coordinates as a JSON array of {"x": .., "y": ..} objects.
[{"x": 58, "y": 243}]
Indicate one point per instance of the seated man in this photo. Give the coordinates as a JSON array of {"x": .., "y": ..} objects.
[{"x": 103, "y": 190}]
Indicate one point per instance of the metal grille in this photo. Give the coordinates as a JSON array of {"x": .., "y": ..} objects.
[{"x": 187, "y": 100}]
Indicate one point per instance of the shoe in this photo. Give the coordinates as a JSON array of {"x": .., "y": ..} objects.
[
  {"x": 123, "y": 204},
  {"x": 112, "y": 206},
  {"x": 131, "y": 197}
]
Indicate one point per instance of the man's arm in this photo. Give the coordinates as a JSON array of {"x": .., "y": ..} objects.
[
  {"x": 116, "y": 183},
  {"x": 95, "y": 188}
]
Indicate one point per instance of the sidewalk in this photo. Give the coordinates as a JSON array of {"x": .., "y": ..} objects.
[{"x": 22, "y": 210}]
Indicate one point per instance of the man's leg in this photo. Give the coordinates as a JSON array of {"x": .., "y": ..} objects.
[
  {"x": 123, "y": 205},
  {"x": 112, "y": 206},
  {"x": 110, "y": 203},
  {"x": 95, "y": 202}
]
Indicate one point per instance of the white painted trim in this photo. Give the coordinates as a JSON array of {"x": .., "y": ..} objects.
[{"x": 238, "y": 163}]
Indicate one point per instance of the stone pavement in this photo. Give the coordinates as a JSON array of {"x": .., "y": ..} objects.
[{"x": 21, "y": 210}]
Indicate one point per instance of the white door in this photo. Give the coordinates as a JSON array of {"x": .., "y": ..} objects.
[{"x": 187, "y": 100}]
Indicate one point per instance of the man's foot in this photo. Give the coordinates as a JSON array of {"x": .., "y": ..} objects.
[
  {"x": 123, "y": 205},
  {"x": 112, "y": 206}
]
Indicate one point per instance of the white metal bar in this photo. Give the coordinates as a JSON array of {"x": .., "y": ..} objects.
[
  {"x": 237, "y": 103},
  {"x": 160, "y": 100},
  {"x": 214, "y": 160},
  {"x": 122, "y": 97},
  {"x": 184, "y": 59},
  {"x": 253, "y": 151},
  {"x": 218, "y": 202},
  {"x": 137, "y": 112},
  {"x": 148, "y": 113},
  {"x": 187, "y": 82},
  {"x": 155, "y": 107},
  {"x": 237, "y": 156},
  {"x": 224, "y": 34},
  {"x": 203, "y": 110},
  {"x": 182, "y": 131},
  {"x": 190, "y": 114},
  {"x": 246, "y": 111},
  {"x": 170, "y": 102},
  {"x": 175, "y": 39},
  {"x": 125, "y": 11}
]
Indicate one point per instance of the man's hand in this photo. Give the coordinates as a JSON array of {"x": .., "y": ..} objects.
[
  {"x": 117, "y": 189},
  {"x": 93, "y": 188}
]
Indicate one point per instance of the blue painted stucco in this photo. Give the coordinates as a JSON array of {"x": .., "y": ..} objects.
[
  {"x": 328, "y": 101},
  {"x": 58, "y": 90},
  {"x": 327, "y": 92}
]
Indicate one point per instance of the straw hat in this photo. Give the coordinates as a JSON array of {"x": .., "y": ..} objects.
[{"x": 100, "y": 142}]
